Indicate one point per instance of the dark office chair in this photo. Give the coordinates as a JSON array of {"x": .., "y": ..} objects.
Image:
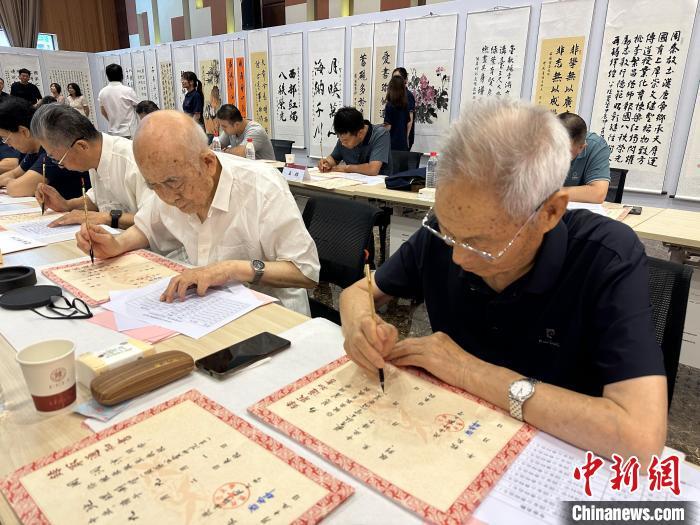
[
  {"x": 669, "y": 286},
  {"x": 281, "y": 148},
  {"x": 342, "y": 230},
  {"x": 617, "y": 185},
  {"x": 405, "y": 160}
]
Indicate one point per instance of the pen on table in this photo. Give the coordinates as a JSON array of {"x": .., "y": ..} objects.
[
  {"x": 87, "y": 225},
  {"x": 368, "y": 274},
  {"x": 43, "y": 173}
]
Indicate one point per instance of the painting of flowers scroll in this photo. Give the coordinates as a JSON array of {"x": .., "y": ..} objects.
[{"x": 430, "y": 81}]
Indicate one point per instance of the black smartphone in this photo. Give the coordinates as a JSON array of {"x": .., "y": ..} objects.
[
  {"x": 242, "y": 354},
  {"x": 635, "y": 210}
]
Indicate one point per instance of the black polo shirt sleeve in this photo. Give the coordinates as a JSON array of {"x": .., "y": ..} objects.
[
  {"x": 8, "y": 152},
  {"x": 402, "y": 275},
  {"x": 624, "y": 340},
  {"x": 28, "y": 161}
]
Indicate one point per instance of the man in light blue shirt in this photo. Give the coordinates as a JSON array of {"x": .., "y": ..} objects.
[{"x": 589, "y": 174}]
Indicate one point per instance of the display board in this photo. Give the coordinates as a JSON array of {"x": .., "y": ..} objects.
[
  {"x": 183, "y": 60},
  {"x": 64, "y": 67},
  {"x": 259, "y": 77},
  {"x": 287, "y": 81},
  {"x": 209, "y": 73}
]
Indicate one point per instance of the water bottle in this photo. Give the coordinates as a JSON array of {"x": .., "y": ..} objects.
[
  {"x": 431, "y": 170},
  {"x": 216, "y": 144},
  {"x": 250, "y": 150}
]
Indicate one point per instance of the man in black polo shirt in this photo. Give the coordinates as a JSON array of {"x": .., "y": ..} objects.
[
  {"x": 363, "y": 147},
  {"x": 542, "y": 312},
  {"x": 25, "y": 89}
]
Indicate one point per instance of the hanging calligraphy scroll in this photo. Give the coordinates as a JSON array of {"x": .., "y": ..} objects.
[
  {"x": 165, "y": 68},
  {"x": 561, "y": 54},
  {"x": 429, "y": 59},
  {"x": 139, "y": 67},
  {"x": 386, "y": 38},
  {"x": 494, "y": 54},
  {"x": 230, "y": 69},
  {"x": 241, "y": 77},
  {"x": 689, "y": 183},
  {"x": 152, "y": 77},
  {"x": 326, "y": 64},
  {"x": 287, "y": 87},
  {"x": 183, "y": 60},
  {"x": 362, "y": 47},
  {"x": 13, "y": 62},
  {"x": 66, "y": 67},
  {"x": 259, "y": 69},
  {"x": 186, "y": 461},
  {"x": 127, "y": 69},
  {"x": 210, "y": 76},
  {"x": 641, "y": 68}
]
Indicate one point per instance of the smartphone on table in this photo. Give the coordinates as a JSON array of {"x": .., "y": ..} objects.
[{"x": 237, "y": 356}]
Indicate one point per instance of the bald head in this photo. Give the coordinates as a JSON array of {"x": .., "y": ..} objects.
[{"x": 172, "y": 153}]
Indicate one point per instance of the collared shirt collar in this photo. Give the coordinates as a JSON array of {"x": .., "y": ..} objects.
[{"x": 222, "y": 196}]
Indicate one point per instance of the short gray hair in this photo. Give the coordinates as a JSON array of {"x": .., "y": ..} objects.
[
  {"x": 520, "y": 150},
  {"x": 61, "y": 126}
]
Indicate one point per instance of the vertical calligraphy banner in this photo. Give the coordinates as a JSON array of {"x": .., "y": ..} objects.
[
  {"x": 209, "y": 74},
  {"x": 259, "y": 70},
  {"x": 165, "y": 69},
  {"x": 494, "y": 54},
  {"x": 13, "y": 62},
  {"x": 286, "y": 68},
  {"x": 140, "y": 83},
  {"x": 241, "y": 77},
  {"x": 152, "y": 76},
  {"x": 362, "y": 44},
  {"x": 689, "y": 183},
  {"x": 645, "y": 46},
  {"x": 386, "y": 39},
  {"x": 230, "y": 72},
  {"x": 429, "y": 59},
  {"x": 64, "y": 67},
  {"x": 326, "y": 72},
  {"x": 125, "y": 61},
  {"x": 183, "y": 60},
  {"x": 561, "y": 54}
]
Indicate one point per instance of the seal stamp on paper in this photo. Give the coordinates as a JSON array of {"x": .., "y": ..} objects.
[
  {"x": 231, "y": 495},
  {"x": 449, "y": 422}
]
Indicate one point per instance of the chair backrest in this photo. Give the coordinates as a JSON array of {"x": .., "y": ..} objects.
[
  {"x": 281, "y": 148},
  {"x": 617, "y": 185},
  {"x": 405, "y": 160},
  {"x": 341, "y": 229},
  {"x": 669, "y": 286}
]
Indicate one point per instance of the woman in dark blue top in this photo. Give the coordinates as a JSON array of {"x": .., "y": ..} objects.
[
  {"x": 194, "y": 98},
  {"x": 396, "y": 115}
]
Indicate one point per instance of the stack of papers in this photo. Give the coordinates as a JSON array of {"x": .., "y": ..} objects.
[
  {"x": 38, "y": 229},
  {"x": 11, "y": 242}
]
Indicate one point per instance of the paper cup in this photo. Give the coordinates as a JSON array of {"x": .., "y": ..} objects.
[
  {"x": 49, "y": 371},
  {"x": 289, "y": 158}
]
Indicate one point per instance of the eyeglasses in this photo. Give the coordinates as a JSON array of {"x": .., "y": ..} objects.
[
  {"x": 450, "y": 241},
  {"x": 5, "y": 140},
  {"x": 65, "y": 309},
  {"x": 59, "y": 163}
]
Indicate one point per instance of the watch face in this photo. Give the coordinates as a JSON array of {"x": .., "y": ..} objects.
[
  {"x": 521, "y": 389},
  {"x": 258, "y": 265}
]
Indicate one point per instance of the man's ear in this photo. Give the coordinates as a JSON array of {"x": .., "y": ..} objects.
[{"x": 553, "y": 209}]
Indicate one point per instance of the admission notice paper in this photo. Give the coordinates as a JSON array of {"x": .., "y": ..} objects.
[
  {"x": 93, "y": 282},
  {"x": 431, "y": 447},
  {"x": 155, "y": 468}
]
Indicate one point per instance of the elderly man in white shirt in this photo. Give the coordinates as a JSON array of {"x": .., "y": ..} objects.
[
  {"x": 118, "y": 189},
  {"x": 117, "y": 103},
  {"x": 234, "y": 219}
]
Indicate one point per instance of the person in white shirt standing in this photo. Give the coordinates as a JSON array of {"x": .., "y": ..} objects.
[
  {"x": 117, "y": 103},
  {"x": 118, "y": 189},
  {"x": 234, "y": 219}
]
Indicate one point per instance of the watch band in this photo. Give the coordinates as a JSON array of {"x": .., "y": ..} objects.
[
  {"x": 515, "y": 406},
  {"x": 115, "y": 215},
  {"x": 258, "y": 272}
]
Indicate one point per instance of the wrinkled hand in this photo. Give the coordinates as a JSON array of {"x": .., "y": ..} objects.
[
  {"x": 104, "y": 244},
  {"x": 78, "y": 217},
  {"x": 200, "y": 278},
  {"x": 368, "y": 342},
  {"x": 436, "y": 353},
  {"x": 51, "y": 198}
]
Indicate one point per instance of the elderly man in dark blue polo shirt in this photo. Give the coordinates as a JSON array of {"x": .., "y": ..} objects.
[
  {"x": 365, "y": 148},
  {"x": 542, "y": 312}
]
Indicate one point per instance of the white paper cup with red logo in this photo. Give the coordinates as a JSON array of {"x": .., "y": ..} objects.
[
  {"x": 289, "y": 158},
  {"x": 49, "y": 371}
]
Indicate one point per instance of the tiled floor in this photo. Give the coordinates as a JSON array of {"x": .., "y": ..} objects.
[{"x": 684, "y": 416}]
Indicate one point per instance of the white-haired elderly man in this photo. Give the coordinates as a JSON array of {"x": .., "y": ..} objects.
[
  {"x": 118, "y": 189},
  {"x": 233, "y": 218},
  {"x": 540, "y": 311}
]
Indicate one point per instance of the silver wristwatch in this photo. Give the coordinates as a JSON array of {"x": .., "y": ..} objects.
[
  {"x": 259, "y": 269},
  {"x": 520, "y": 391}
]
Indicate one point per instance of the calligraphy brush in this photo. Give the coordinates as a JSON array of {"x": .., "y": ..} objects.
[
  {"x": 87, "y": 224},
  {"x": 43, "y": 173},
  {"x": 368, "y": 274}
]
